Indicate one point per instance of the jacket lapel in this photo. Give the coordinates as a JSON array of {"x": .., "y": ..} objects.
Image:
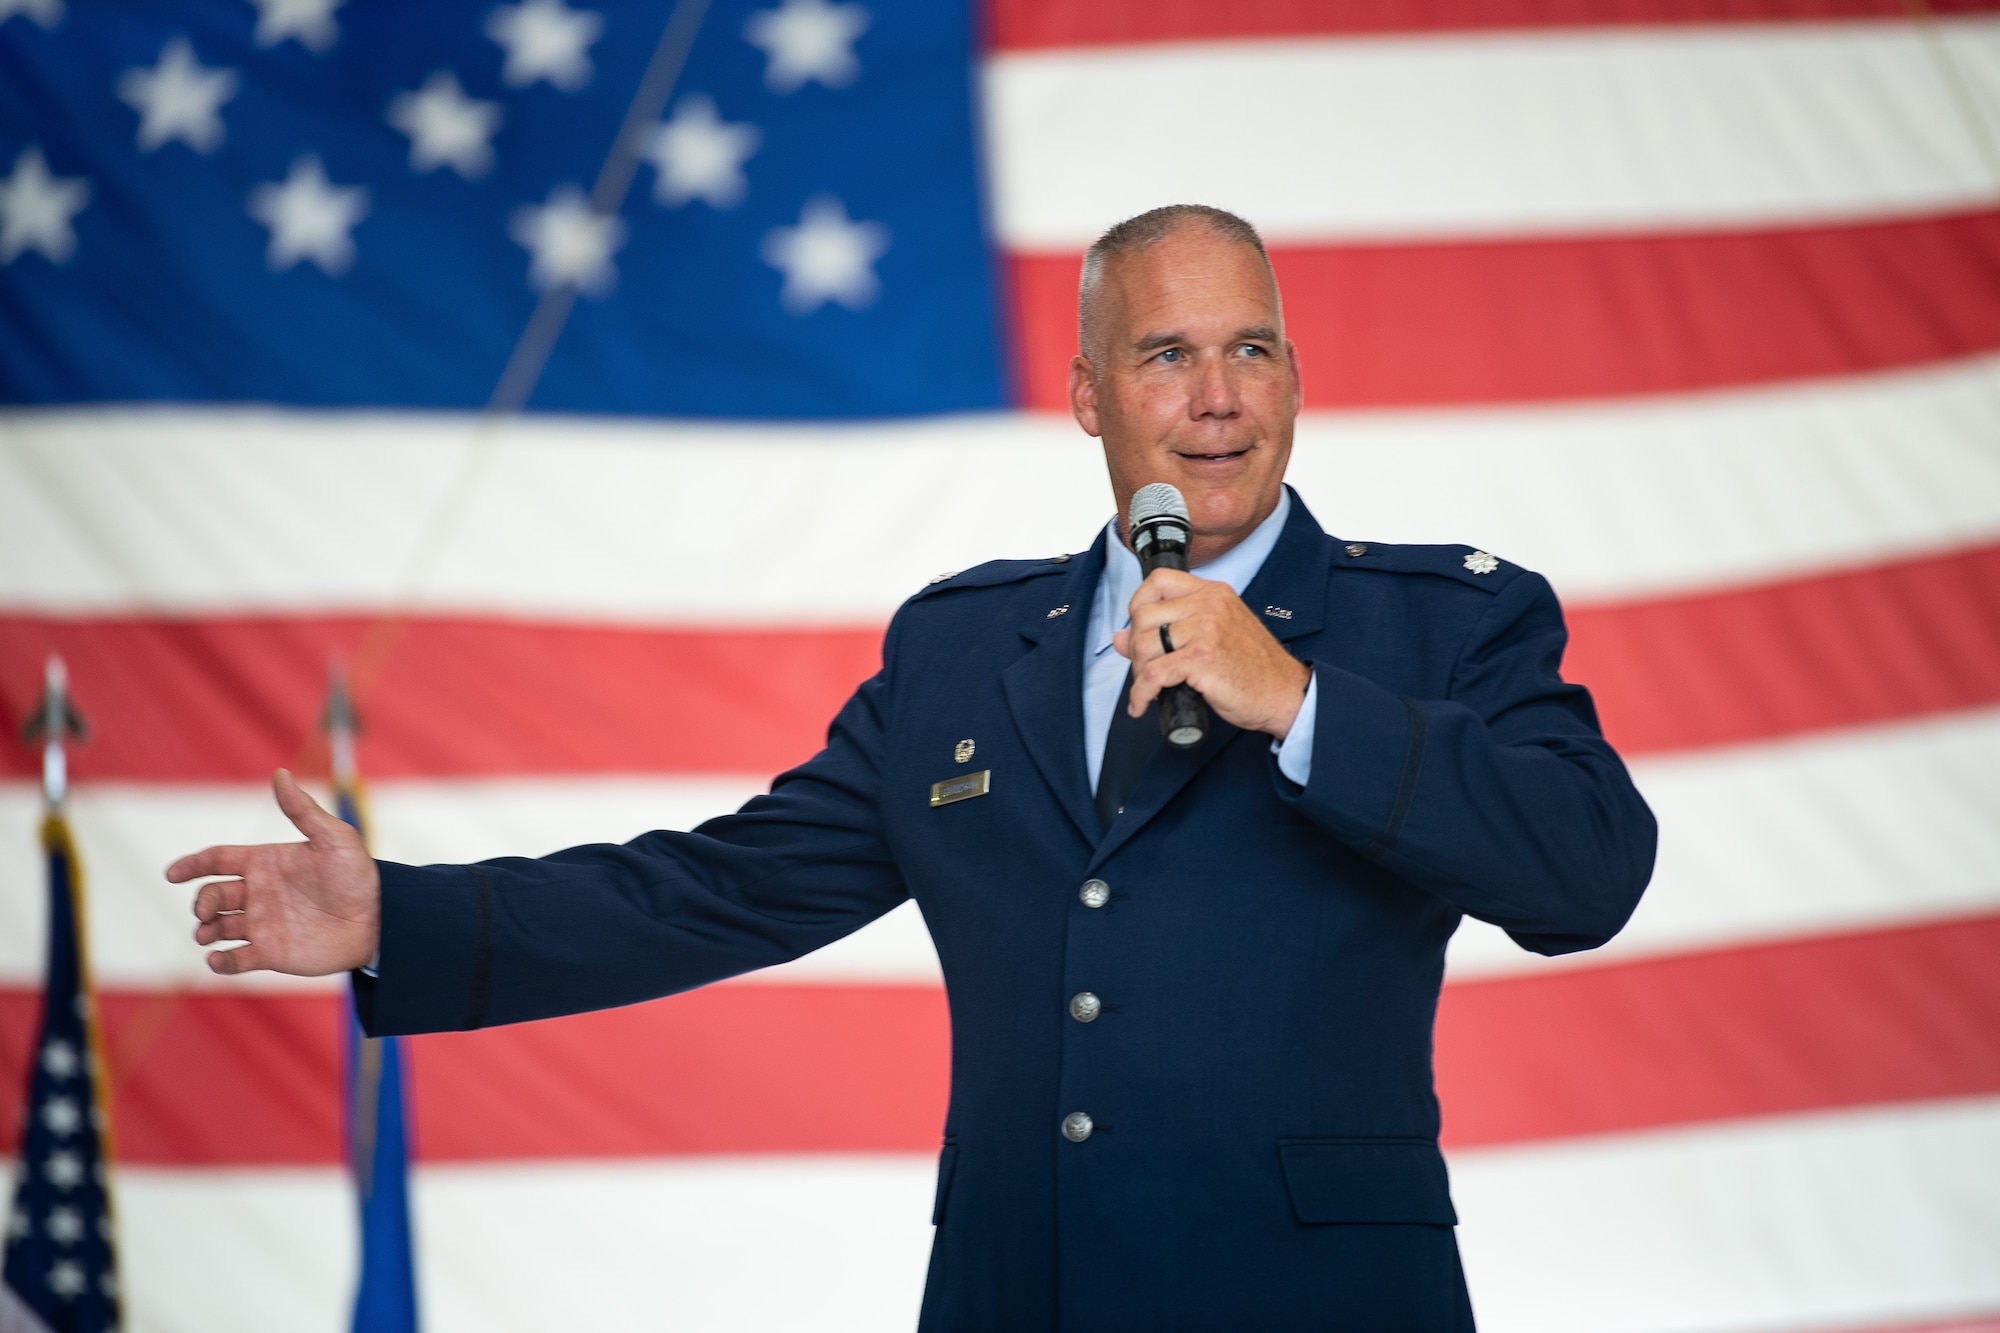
[
  {"x": 1044, "y": 690},
  {"x": 1293, "y": 579},
  {"x": 1289, "y": 592}
]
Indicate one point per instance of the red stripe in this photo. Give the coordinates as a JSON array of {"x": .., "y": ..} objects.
[
  {"x": 1949, "y": 1325},
  {"x": 1802, "y": 1025},
  {"x": 231, "y": 698},
  {"x": 733, "y": 1069},
  {"x": 1869, "y": 645},
  {"x": 1498, "y": 321},
  {"x": 1882, "y": 1017},
  {"x": 1032, "y": 24},
  {"x": 220, "y": 700}
]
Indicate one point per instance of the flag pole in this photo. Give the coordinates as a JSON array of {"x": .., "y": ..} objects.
[
  {"x": 385, "y": 1296},
  {"x": 59, "y": 1273}
]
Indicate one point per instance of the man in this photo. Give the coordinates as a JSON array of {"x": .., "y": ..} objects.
[{"x": 1191, "y": 991}]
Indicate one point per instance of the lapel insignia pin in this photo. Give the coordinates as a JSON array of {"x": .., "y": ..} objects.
[
  {"x": 960, "y": 789},
  {"x": 1058, "y": 611},
  {"x": 1481, "y": 563},
  {"x": 962, "y": 752},
  {"x": 1277, "y": 613},
  {"x": 948, "y": 574}
]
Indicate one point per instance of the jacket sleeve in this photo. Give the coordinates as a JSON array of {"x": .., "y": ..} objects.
[
  {"x": 508, "y": 940},
  {"x": 1504, "y": 799}
]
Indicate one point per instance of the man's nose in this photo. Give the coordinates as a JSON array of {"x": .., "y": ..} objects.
[{"x": 1214, "y": 389}]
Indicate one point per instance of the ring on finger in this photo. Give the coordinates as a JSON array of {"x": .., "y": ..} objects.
[{"x": 1166, "y": 640}]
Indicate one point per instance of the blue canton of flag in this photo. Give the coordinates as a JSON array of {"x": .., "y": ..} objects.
[
  {"x": 59, "y": 1272},
  {"x": 358, "y": 202}
]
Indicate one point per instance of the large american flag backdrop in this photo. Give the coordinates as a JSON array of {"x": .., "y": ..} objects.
[{"x": 1693, "y": 305}]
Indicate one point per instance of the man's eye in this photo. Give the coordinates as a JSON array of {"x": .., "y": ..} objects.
[
  {"x": 1171, "y": 354},
  {"x": 1251, "y": 349}
]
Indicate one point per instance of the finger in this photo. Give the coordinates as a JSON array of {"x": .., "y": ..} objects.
[
  {"x": 1163, "y": 585},
  {"x": 1148, "y": 680},
  {"x": 208, "y": 861},
  {"x": 230, "y": 962},
  {"x": 228, "y": 926},
  {"x": 219, "y": 896},
  {"x": 306, "y": 814},
  {"x": 1121, "y": 639},
  {"x": 1152, "y": 615},
  {"x": 1166, "y": 583}
]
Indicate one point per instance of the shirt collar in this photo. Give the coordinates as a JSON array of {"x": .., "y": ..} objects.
[{"x": 1236, "y": 567}]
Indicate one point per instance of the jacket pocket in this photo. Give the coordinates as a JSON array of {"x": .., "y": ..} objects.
[
  {"x": 1367, "y": 1181},
  {"x": 947, "y": 1168}
]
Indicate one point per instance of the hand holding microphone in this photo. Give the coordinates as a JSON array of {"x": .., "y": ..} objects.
[{"x": 1193, "y": 643}]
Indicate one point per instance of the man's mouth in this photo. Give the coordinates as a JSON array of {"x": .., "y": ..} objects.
[{"x": 1212, "y": 458}]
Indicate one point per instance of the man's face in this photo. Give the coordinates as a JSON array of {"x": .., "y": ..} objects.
[{"x": 1198, "y": 386}]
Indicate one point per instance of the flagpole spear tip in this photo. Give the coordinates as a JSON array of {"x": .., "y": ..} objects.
[
  {"x": 340, "y": 722},
  {"x": 54, "y": 722}
]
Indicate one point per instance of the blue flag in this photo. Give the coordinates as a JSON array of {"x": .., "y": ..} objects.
[
  {"x": 345, "y": 202},
  {"x": 60, "y": 1272},
  {"x": 378, "y": 1157}
]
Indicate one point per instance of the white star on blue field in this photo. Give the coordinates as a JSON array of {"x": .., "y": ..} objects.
[{"x": 337, "y": 204}]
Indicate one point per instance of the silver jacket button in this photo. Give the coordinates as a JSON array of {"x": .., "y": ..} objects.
[
  {"x": 1095, "y": 893},
  {"x": 1356, "y": 549},
  {"x": 1076, "y": 1127},
  {"x": 1083, "y": 1006}
]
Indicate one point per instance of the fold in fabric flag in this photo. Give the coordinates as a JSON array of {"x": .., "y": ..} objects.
[
  {"x": 61, "y": 1271},
  {"x": 385, "y": 1297}
]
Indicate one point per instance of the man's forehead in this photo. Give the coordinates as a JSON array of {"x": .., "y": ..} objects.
[{"x": 1194, "y": 297}]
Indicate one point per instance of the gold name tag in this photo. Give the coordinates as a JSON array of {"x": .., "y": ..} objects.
[{"x": 960, "y": 789}]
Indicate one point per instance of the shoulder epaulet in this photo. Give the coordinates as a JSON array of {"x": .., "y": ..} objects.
[
  {"x": 1467, "y": 564},
  {"x": 992, "y": 574}
]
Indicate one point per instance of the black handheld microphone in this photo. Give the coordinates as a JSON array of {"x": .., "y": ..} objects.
[{"x": 1160, "y": 533}]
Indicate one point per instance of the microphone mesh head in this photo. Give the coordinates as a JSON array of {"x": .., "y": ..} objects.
[{"x": 1155, "y": 502}]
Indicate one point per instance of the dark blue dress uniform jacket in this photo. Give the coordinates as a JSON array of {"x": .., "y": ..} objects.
[{"x": 1265, "y": 1146}]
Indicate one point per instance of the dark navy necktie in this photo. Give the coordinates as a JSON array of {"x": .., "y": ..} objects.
[{"x": 1129, "y": 744}]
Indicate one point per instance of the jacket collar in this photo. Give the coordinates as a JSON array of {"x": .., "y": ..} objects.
[
  {"x": 1044, "y": 687},
  {"x": 1293, "y": 579}
]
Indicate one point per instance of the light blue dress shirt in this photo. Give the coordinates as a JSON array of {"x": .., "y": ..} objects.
[{"x": 1110, "y": 611}]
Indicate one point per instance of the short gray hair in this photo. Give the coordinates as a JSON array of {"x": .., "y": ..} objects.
[{"x": 1136, "y": 233}]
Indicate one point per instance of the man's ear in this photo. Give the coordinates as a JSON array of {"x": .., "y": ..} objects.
[
  {"x": 1298, "y": 378},
  {"x": 1083, "y": 394}
]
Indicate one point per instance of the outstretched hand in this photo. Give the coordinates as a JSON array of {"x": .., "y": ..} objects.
[{"x": 308, "y": 908}]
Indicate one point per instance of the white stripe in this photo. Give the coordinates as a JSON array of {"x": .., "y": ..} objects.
[
  {"x": 724, "y": 1243},
  {"x": 1317, "y": 139},
  {"x": 1832, "y": 1220},
  {"x": 1874, "y": 827},
  {"x": 1681, "y": 493},
  {"x": 1851, "y": 1218},
  {"x": 140, "y": 929},
  {"x": 1878, "y": 826},
  {"x": 256, "y": 1250},
  {"x": 205, "y": 510}
]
